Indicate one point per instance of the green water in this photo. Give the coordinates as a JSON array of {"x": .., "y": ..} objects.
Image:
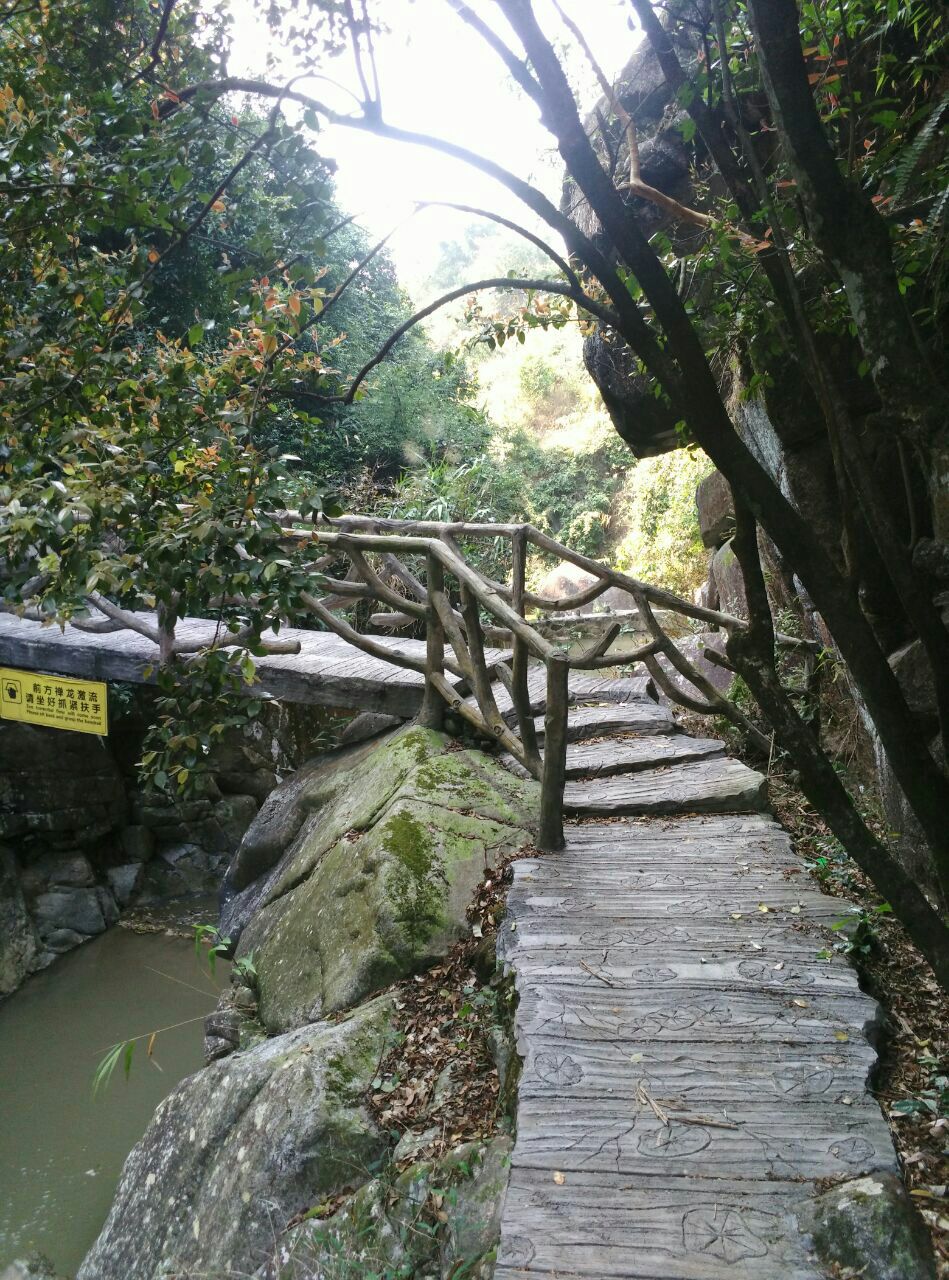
[{"x": 61, "y": 1150}]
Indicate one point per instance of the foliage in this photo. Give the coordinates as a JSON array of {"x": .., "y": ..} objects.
[
  {"x": 931, "y": 1102},
  {"x": 173, "y": 329},
  {"x": 132, "y": 464},
  {"x": 663, "y": 544}
]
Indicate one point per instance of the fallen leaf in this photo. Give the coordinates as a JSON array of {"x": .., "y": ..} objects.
[
  {"x": 559, "y": 1178},
  {"x": 841, "y": 1036}
]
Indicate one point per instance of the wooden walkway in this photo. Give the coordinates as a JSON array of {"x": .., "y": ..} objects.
[
  {"x": 691, "y": 1068},
  {"x": 326, "y": 672}
]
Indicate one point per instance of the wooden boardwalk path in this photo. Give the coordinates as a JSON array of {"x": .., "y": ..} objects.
[
  {"x": 691, "y": 1068},
  {"x": 326, "y": 672}
]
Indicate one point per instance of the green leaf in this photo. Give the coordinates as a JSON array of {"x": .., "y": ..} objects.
[
  {"x": 195, "y": 334},
  {"x": 106, "y": 1067},
  {"x": 179, "y": 176}
]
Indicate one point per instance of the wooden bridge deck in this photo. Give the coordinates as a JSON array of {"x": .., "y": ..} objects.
[
  {"x": 326, "y": 672},
  {"x": 692, "y": 1069}
]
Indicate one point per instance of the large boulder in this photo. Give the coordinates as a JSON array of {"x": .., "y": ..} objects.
[
  {"x": 695, "y": 649},
  {"x": 915, "y": 677},
  {"x": 716, "y": 510},
  {"x": 36, "y": 1267},
  {"x": 729, "y": 582},
  {"x": 393, "y": 838},
  {"x": 243, "y": 1146},
  {"x": 567, "y": 580},
  {"x": 80, "y": 910}
]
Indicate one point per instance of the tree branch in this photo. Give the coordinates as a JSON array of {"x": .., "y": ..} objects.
[
  {"x": 498, "y": 282},
  {"x": 635, "y": 186},
  {"x": 511, "y": 226},
  {"x": 154, "y": 52},
  {"x": 517, "y": 67}
]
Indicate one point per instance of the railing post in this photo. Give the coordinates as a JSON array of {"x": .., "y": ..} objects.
[
  {"x": 432, "y": 714},
  {"x": 520, "y": 693},
  {"x": 551, "y": 835}
]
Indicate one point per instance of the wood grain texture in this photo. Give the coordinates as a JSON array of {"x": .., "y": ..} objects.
[
  {"x": 695, "y": 1055},
  {"x": 629, "y": 755},
  {"x": 582, "y": 689},
  {"x": 326, "y": 672},
  {"x": 709, "y": 785}
]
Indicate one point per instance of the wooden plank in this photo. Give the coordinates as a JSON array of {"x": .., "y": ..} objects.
[
  {"x": 691, "y": 1069},
  {"x": 606, "y": 1226},
  {"x": 717, "y": 784},
  {"x": 586, "y": 722},
  {"x": 760, "y": 1138},
  {"x": 625, "y": 967},
  {"x": 582, "y": 688},
  {"x": 609, "y": 756},
  {"x": 326, "y": 672},
  {"x": 679, "y": 1080}
]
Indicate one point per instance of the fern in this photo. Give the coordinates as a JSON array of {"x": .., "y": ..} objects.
[
  {"x": 914, "y": 152},
  {"x": 938, "y": 209}
]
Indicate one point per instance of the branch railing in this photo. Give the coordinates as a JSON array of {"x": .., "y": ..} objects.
[
  {"x": 455, "y": 634},
  {"x": 456, "y": 657}
]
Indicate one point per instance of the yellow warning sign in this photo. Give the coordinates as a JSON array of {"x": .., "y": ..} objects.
[{"x": 59, "y": 702}]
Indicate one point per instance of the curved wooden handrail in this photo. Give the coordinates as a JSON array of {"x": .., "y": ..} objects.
[{"x": 376, "y": 549}]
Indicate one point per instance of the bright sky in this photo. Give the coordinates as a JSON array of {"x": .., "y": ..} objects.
[{"x": 438, "y": 77}]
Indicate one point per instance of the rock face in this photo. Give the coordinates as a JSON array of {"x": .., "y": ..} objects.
[
  {"x": 241, "y": 1147},
  {"x": 716, "y": 510},
  {"x": 62, "y": 799},
  {"x": 56, "y": 791},
  {"x": 385, "y": 845},
  {"x": 393, "y": 1228},
  {"x": 19, "y": 944},
  {"x": 869, "y": 1228},
  {"x": 726, "y": 573},
  {"x": 80, "y": 840}
]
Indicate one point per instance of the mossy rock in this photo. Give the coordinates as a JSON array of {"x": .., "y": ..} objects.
[
  {"x": 869, "y": 1227},
  {"x": 434, "y": 1220},
  {"x": 243, "y": 1146},
  {"x": 380, "y": 882}
]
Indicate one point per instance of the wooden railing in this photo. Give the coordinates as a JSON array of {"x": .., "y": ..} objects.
[{"x": 455, "y": 632}]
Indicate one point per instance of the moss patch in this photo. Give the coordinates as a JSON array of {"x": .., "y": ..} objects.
[
  {"x": 393, "y": 1226},
  {"x": 420, "y": 883},
  {"x": 379, "y": 883}
]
